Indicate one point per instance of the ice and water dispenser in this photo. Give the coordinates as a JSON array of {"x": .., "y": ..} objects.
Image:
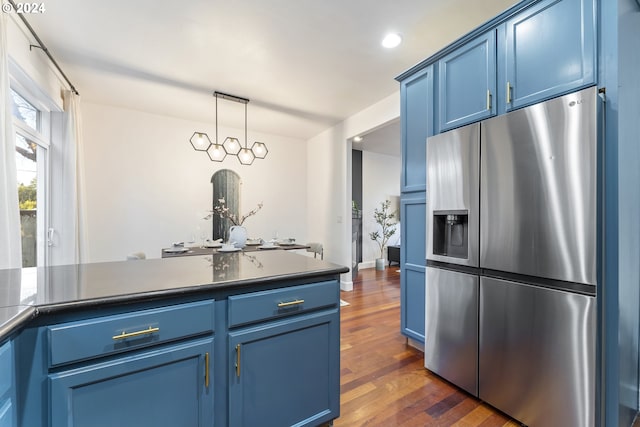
[{"x": 450, "y": 231}]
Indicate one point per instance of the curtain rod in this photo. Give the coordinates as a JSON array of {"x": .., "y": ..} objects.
[{"x": 41, "y": 45}]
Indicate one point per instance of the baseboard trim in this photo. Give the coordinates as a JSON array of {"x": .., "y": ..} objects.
[
  {"x": 366, "y": 264},
  {"x": 346, "y": 286}
]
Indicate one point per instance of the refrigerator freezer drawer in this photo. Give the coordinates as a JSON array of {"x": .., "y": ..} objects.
[
  {"x": 537, "y": 353},
  {"x": 451, "y": 327}
]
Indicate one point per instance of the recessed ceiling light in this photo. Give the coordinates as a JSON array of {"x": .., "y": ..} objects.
[
  {"x": 357, "y": 139},
  {"x": 391, "y": 40}
]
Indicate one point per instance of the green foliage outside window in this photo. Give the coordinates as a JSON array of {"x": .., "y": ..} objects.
[{"x": 27, "y": 195}]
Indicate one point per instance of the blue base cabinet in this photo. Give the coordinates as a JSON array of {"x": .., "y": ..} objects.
[
  {"x": 284, "y": 373},
  {"x": 7, "y": 386},
  {"x": 284, "y": 356},
  {"x": 167, "y": 387},
  {"x": 264, "y": 355}
]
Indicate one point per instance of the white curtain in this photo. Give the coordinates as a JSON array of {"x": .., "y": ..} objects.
[
  {"x": 67, "y": 190},
  {"x": 10, "y": 238}
]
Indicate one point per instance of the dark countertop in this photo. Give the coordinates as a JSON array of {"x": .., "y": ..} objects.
[{"x": 24, "y": 293}]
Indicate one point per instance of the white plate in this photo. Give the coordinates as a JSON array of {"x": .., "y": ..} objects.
[
  {"x": 229, "y": 250},
  {"x": 268, "y": 247},
  {"x": 252, "y": 243},
  {"x": 176, "y": 250},
  {"x": 213, "y": 245},
  {"x": 286, "y": 243}
]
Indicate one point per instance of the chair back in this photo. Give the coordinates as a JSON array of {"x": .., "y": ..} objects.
[{"x": 317, "y": 249}]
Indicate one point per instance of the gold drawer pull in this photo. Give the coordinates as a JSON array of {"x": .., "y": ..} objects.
[
  {"x": 290, "y": 303},
  {"x": 124, "y": 335}
]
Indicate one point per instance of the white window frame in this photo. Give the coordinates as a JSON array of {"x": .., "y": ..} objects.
[{"x": 42, "y": 137}]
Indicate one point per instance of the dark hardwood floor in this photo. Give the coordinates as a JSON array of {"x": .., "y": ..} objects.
[{"x": 383, "y": 380}]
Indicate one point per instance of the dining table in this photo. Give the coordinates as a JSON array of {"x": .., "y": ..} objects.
[{"x": 201, "y": 250}]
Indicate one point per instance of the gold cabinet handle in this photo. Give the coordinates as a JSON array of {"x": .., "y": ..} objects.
[
  {"x": 237, "y": 360},
  {"x": 124, "y": 335},
  {"x": 508, "y": 92},
  {"x": 488, "y": 99},
  {"x": 290, "y": 303},
  {"x": 206, "y": 369}
]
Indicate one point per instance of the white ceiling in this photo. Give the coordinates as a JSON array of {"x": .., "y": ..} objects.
[
  {"x": 305, "y": 64},
  {"x": 383, "y": 140}
]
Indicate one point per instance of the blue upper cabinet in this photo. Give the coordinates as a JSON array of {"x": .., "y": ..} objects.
[
  {"x": 467, "y": 83},
  {"x": 550, "y": 49},
  {"x": 416, "y": 103}
]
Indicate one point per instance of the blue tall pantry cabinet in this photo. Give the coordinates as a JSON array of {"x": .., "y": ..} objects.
[
  {"x": 416, "y": 94},
  {"x": 532, "y": 52}
]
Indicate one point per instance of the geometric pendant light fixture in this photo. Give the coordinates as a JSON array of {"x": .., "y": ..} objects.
[{"x": 231, "y": 146}]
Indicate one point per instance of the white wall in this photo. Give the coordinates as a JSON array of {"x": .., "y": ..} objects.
[
  {"x": 146, "y": 186},
  {"x": 329, "y": 180},
  {"x": 380, "y": 179}
]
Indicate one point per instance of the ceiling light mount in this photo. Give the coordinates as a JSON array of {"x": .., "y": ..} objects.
[{"x": 231, "y": 146}]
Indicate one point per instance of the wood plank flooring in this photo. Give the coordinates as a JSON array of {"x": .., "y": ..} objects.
[{"x": 383, "y": 380}]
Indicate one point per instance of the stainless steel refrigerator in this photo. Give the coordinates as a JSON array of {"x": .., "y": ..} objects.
[{"x": 512, "y": 237}]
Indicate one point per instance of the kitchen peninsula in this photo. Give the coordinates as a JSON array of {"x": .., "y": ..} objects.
[{"x": 233, "y": 339}]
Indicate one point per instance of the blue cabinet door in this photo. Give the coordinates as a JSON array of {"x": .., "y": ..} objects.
[
  {"x": 549, "y": 50},
  {"x": 286, "y": 373},
  {"x": 412, "y": 261},
  {"x": 165, "y": 387},
  {"x": 416, "y": 105},
  {"x": 7, "y": 386},
  {"x": 467, "y": 83}
]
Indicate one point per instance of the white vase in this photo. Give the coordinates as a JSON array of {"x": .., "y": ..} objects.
[{"x": 238, "y": 236}]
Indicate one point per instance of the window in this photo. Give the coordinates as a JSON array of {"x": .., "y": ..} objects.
[{"x": 31, "y": 126}]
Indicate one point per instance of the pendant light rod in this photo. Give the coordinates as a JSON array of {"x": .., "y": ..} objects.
[
  {"x": 230, "y": 97},
  {"x": 245, "y": 125},
  {"x": 217, "y": 140}
]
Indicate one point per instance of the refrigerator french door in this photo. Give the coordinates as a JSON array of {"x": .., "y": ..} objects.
[
  {"x": 452, "y": 281},
  {"x": 538, "y": 243}
]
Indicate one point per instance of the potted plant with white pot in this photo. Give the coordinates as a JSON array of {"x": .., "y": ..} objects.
[{"x": 385, "y": 220}]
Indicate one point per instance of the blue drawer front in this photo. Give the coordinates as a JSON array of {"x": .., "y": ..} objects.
[
  {"x": 98, "y": 337},
  {"x": 265, "y": 305}
]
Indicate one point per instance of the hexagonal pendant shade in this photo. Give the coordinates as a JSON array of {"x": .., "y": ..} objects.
[{"x": 231, "y": 146}]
